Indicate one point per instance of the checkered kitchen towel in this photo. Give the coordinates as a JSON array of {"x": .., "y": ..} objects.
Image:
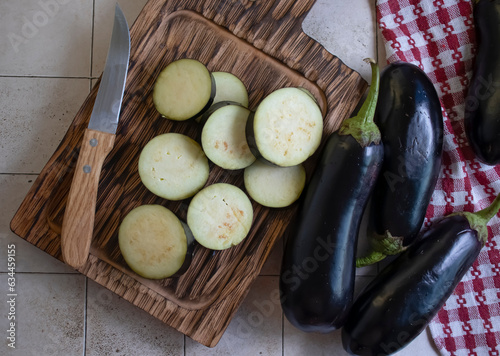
[{"x": 439, "y": 37}]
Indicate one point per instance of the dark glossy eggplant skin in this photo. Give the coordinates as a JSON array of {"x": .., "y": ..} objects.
[
  {"x": 397, "y": 304},
  {"x": 482, "y": 109},
  {"x": 318, "y": 266},
  {"x": 411, "y": 123}
]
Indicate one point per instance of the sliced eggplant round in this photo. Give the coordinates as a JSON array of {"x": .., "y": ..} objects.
[
  {"x": 286, "y": 128},
  {"x": 223, "y": 137},
  {"x": 273, "y": 186},
  {"x": 183, "y": 90},
  {"x": 220, "y": 216},
  {"x": 154, "y": 242},
  {"x": 230, "y": 88},
  {"x": 173, "y": 166}
]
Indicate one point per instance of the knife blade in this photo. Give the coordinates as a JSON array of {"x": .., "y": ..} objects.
[{"x": 98, "y": 141}]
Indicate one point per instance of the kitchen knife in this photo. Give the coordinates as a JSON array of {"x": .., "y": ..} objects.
[{"x": 98, "y": 140}]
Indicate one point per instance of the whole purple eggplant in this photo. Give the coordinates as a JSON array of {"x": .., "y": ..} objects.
[
  {"x": 318, "y": 267},
  {"x": 411, "y": 124},
  {"x": 396, "y": 306},
  {"x": 482, "y": 109}
]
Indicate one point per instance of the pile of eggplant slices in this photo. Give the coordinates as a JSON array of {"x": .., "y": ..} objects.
[{"x": 389, "y": 156}]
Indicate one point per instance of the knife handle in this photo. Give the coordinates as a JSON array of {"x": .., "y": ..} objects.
[{"x": 78, "y": 222}]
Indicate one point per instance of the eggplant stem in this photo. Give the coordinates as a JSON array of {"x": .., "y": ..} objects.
[
  {"x": 370, "y": 259},
  {"x": 367, "y": 110},
  {"x": 362, "y": 127},
  {"x": 490, "y": 211},
  {"x": 480, "y": 219}
]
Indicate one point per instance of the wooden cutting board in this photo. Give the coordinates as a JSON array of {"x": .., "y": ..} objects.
[{"x": 261, "y": 42}]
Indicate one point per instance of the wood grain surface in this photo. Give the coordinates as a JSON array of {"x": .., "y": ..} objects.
[{"x": 262, "y": 43}]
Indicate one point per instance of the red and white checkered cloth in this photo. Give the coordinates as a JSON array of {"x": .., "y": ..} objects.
[{"x": 439, "y": 37}]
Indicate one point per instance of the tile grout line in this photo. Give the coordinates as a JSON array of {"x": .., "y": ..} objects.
[
  {"x": 19, "y": 174},
  {"x": 44, "y": 77},
  {"x": 282, "y": 333},
  {"x": 45, "y": 273},
  {"x": 85, "y": 311},
  {"x": 85, "y": 326},
  {"x": 92, "y": 41}
]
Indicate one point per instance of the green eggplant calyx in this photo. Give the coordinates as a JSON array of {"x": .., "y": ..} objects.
[
  {"x": 363, "y": 133},
  {"x": 480, "y": 219},
  {"x": 370, "y": 259},
  {"x": 381, "y": 247},
  {"x": 362, "y": 127},
  {"x": 387, "y": 244}
]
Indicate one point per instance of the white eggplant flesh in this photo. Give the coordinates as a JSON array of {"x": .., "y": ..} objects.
[
  {"x": 153, "y": 242},
  {"x": 273, "y": 186},
  {"x": 173, "y": 166},
  {"x": 229, "y": 88},
  {"x": 184, "y": 90},
  {"x": 286, "y": 128},
  {"x": 220, "y": 216},
  {"x": 223, "y": 137}
]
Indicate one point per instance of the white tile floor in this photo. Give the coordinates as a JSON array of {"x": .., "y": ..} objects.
[{"x": 50, "y": 51}]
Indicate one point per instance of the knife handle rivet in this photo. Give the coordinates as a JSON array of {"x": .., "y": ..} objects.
[
  {"x": 93, "y": 142},
  {"x": 87, "y": 169}
]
